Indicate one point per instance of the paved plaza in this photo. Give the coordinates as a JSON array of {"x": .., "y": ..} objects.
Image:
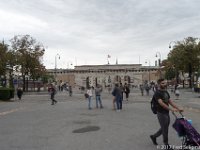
[{"x": 34, "y": 124}]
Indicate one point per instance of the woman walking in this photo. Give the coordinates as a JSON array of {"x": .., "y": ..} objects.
[{"x": 89, "y": 92}]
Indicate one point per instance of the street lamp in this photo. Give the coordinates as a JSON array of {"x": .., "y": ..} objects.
[
  {"x": 171, "y": 43},
  {"x": 56, "y": 65},
  {"x": 148, "y": 69},
  {"x": 159, "y": 59}
]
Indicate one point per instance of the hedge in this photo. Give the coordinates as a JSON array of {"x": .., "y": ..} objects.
[{"x": 6, "y": 93}]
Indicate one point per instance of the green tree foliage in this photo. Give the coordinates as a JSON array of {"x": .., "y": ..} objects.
[
  {"x": 184, "y": 53},
  {"x": 185, "y": 56},
  {"x": 28, "y": 55},
  {"x": 7, "y": 58},
  {"x": 3, "y": 58}
]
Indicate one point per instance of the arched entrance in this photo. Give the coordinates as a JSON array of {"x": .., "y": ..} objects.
[
  {"x": 127, "y": 79},
  {"x": 117, "y": 79}
]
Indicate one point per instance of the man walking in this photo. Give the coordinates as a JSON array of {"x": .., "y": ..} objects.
[
  {"x": 52, "y": 91},
  {"x": 117, "y": 93},
  {"x": 126, "y": 91},
  {"x": 122, "y": 91},
  {"x": 163, "y": 101}
]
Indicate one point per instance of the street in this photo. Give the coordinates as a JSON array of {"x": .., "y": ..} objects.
[{"x": 34, "y": 124}]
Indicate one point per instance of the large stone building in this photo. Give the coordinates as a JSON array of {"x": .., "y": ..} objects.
[{"x": 107, "y": 75}]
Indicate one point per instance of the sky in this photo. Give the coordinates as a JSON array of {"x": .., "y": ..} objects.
[{"x": 85, "y": 32}]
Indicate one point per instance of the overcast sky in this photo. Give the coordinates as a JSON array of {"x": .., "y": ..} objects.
[{"x": 85, "y": 32}]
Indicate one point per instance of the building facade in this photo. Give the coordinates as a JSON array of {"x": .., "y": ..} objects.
[{"x": 107, "y": 75}]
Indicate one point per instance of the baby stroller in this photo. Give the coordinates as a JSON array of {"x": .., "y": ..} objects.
[{"x": 184, "y": 128}]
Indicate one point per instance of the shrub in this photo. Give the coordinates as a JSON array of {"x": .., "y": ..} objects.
[{"x": 6, "y": 93}]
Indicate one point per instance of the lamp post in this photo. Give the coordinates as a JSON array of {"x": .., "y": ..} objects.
[
  {"x": 56, "y": 65},
  {"x": 148, "y": 69},
  {"x": 171, "y": 43}
]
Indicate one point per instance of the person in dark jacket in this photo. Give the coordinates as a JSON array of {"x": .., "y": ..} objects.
[
  {"x": 117, "y": 93},
  {"x": 52, "y": 91},
  {"x": 70, "y": 90},
  {"x": 98, "y": 91},
  {"x": 19, "y": 93},
  {"x": 122, "y": 91},
  {"x": 164, "y": 102},
  {"x": 126, "y": 91}
]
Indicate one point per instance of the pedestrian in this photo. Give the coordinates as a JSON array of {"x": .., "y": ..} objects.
[
  {"x": 70, "y": 90},
  {"x": 147, "y": 88},
  {"x": 52, "y": 91},
  {"x": 89, "y": 92},
  {"x": 155, "y": 88},
  {"x": 164, "y": 102},
  {"x": 122, "y": 91},
  {"x": 142, "y": 89},
  {"x": 177, "y": 93},
  {"x": 126, "y": 91},
  {"x": 98, "y": 91},
  {"x": 114, "y": 101},
  {"x": 19, "y": 93},
  {"x": 117, "y": 93}
]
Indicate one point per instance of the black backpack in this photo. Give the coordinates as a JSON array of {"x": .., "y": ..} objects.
[{"x": 154, "y": 104}]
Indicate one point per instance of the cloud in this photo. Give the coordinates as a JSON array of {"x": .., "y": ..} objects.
[{"x": 87, "y": 31}]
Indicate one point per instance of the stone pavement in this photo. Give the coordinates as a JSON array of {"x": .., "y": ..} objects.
[
  {"x": 34, "y": 124},
  {"x": 188, "y": 99}
]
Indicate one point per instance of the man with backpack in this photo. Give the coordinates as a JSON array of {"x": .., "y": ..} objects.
[
  {"x": 117, "y": 93},
  {"x": 161, "y": 101}
]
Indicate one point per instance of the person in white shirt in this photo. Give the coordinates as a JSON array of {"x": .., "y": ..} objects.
[{"x": 89, "y": 92}]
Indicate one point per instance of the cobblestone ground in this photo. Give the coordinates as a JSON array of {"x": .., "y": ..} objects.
[{"x": 34, "y": 124}]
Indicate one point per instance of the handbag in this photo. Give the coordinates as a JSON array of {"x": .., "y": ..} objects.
[{"x": 86, "y": 95}]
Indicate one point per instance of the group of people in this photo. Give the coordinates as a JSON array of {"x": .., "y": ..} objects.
[
  {"x": 164, "y": 106},
  {"x": 98, "y": 91},
  {"x": 162, "y": 97},
  {"x": 117, "y": 96}
]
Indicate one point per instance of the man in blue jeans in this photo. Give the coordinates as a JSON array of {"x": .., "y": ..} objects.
[
  {"x": 98, "y": 91},
  {"x": 163, "y": 101},
  {"x": 117, "y": 93}
]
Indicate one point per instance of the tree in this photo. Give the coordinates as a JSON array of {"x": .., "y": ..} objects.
[
  {"x": 7, "y": 61},
  {"x": 3, "y": 58},
  {"x": 184, "y": 56},
  {"x": 28, "y": 55}
]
